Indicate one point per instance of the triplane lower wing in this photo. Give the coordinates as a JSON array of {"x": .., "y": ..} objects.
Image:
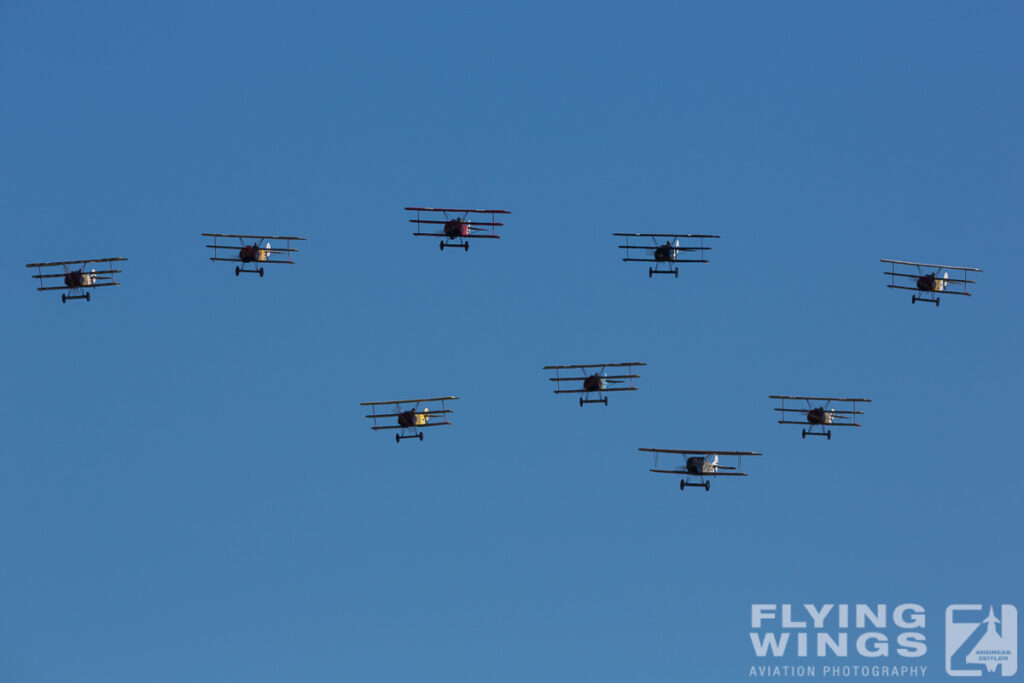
[
  {"x": 77, "y": 279},
  {"x": 583, "y": 381},
  {"x": 928, "y": 283},
  {"x": 251, "y": 254},
  {"x": 818, "y": 416},
  {"x": 410, "y": 418},
  {"x": 457, "y": 225},
  {"x": 664, "y": 254},
  {"x": 699, "y": 466}
]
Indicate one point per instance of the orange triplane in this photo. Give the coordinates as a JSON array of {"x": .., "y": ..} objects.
[
  {"x": 77, "y": 279},
  {"x": 411, "y": 419},
  {"x": 254, "y": 254},
  {"x": 819, "y": 415},
  {"x": 457, "y": 225},
  {"x": 700, "y": 465},
  {"x": 593, "y": 382},
  {"x": 927, "y": 282}
]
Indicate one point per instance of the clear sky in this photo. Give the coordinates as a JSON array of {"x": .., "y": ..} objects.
[{"x": 188, "y": 487}]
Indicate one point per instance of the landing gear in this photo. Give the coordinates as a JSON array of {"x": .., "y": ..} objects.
[
  {"x": 398, "y": 439},
  {"x": 581, "y": 401},
  {"x": 707, "y": 486},
  {"x": 465, "y": 245},
  {"x": 682, "y": 485},
  {"x": 88, "y": 296},
  {"x": 63, "y": 298},
  {"x": 676, "y": 271},
  {"x": 605, "y": 401},
  {"x": 442, "y": 245},
  {"x": 236, "y": 271},
  {"x": 650, "y": 272},
  {"x": 936, "y": 302},
  {"x": 828, "y": 435},
  {"x": 261, "y": 271},
  {"x": 803, "y": 433},
  {"x": 421, "y": 436}
]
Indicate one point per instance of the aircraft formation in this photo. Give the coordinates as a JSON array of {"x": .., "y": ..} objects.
[{"x": 456, "y": 228}]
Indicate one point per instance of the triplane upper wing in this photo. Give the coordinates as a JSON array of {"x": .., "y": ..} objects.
[
  {"x": 699, "y": 465},
  {"x": 456, "y": 225},
  {"x": 598, "y": 382},
  {"x": 928, "y": 283},
  {"x": 818, "y": 416},
  {"x": 664, "y": 254},
  {"x": 77, "y": 279},
  {"x": 245, "y": 253},
  {"x": 411, "y": 419}
]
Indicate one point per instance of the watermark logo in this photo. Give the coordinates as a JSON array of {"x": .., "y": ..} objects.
[{"x": 981, "y": 640}]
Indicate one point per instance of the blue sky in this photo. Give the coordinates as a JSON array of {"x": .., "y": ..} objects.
[{"x": 188, "y": 489}]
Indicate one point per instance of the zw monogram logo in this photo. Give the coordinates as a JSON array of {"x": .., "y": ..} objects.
[{"x": 980, "y": 640}]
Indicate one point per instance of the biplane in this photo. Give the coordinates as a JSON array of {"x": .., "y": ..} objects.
[
  {"x": 664, "y": 254},
  {"x": 593, "y": 382},
  {"x": 927, "y": 282},
  {"x": 411, "y": 420},
  {"x": 819, "y": 416},
  {"x": 251, "y": 254},
  {"x": 700, "y": 465},
  {"x": 457, "y": 225},
  {"x": 77, "y": 279}
]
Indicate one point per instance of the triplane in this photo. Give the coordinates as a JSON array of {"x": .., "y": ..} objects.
[
  {"x": 819, "y": 416},
  {"x": 699, "y": 466},
  {"x": 457, "y": 225},
  {"x": 411, "y": 419},
  {"x": 251, "y": 254},
  {"x": 927, "y": 282},
  {"x": 77, "y": 279},
  {"x": 664, "y": 254},
  {"x": 593, "y": 382}
]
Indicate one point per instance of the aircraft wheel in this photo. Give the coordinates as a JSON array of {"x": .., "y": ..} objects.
[
  {"x": 828, "y": 435},
  {"x": 803, "y": 433},
  {"x": 261, "y": 272},
  {"x": 913, "y": 299},
  {"x": 442, "y": 245},
  {"x": 581, "y": 401},
  {"x": 466, "y": 246},
  {"x": 606, "y": 401},
  {"x": 677, "y": 273},
  {"x": 707, "y": 486},
  {"x": 88, "y": 296},
  {"x": 682, "y": 485},
  {"x": 650, "y": 272},
  {"x": 63, "y": 299},
  {"x": 398, "y": 439},
  {"x": 236, "y": 271},
  {"x": 936, "y": 302},
  {"x": 421, "y": 436}
]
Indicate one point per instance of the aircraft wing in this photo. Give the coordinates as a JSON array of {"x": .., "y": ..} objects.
[
  {"x": 592, "y": 365},
  {"x": 409, "y": 400},
  {"x": 441, "y": 234},
  {"x": 594, "y": 391},
  {"x": 688, "y": 452},
  {"x": 684, "y": 473},
  {"x": 254, "y": 237},
  {"x": 660, "y": 234},
  {"x": 75, "y": 263},
  {"x": 928, "y": 265},
  {"x": 423, "y": 208}
]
